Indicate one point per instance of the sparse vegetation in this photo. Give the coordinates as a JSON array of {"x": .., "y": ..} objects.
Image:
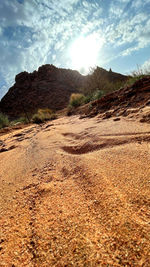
[
  {"x": 3, "y": 120},
  {"x": 101, "y": 80},
  {"x": 97, "y": 94},
  {"x": 43, "y": 115},
  {"x": 76, "y": 100},
  {"x": 69, "y": 110},
  {"x": 20, "y": 120},
  {"x": 137, "y": 75}
]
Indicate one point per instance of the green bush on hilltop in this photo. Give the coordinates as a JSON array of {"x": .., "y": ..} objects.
[{"x": 3, "y": 120}]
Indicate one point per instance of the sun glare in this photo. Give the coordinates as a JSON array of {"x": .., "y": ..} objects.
[{"x": 84, "y": 52}]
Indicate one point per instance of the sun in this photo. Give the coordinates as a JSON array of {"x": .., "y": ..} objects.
[{"x": 84, "y": 52}]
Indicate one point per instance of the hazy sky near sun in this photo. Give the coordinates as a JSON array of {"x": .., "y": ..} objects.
[{"x": 73, "y": 34}]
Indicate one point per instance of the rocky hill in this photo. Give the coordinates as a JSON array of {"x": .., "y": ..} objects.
[{"x": 49, "y": 87}]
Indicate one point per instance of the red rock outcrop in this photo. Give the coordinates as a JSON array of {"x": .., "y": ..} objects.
[{"x": 49, "y": 87}]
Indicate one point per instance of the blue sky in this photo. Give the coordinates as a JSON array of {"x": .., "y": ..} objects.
[{"x": 76, "y": 34}]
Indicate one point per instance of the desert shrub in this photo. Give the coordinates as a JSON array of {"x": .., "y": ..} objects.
[
  {"x": 76, "y": 100},
  {"x": 45, "y": 111},
  {"x": 132, "y": 80},
  {"x": 88, "y": 98},
  {"x": 140, "y": 72},
  {"x": 97, "y": 94},
  {"x": 70, "y": 109},
  {"x": 79, "y": 99},
  {"x": 96, "y": 80},
  {"x": 53, "y": 116},
  {"x": 137, "y": 75},
  {"x": 20, "y": 120},
  {"x": 3, "y": 120},
  {"x": 101, "y": 80},
  {"x": 43, "y": 115},
  {"x": 37, "y": 118}
]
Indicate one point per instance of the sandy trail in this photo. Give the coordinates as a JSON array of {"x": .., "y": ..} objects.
[{"x": 75, "y": 193}]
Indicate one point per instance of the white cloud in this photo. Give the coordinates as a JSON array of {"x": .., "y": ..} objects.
[
  {"x": 133, "y": 33},
  {"x": 146, "y": 66},
  {"x": 11, "y": 13},
  {"x": 136, "y": 4}
]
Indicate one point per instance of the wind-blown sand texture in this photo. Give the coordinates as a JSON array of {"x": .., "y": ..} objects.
[{"x": 75, "y": 193}]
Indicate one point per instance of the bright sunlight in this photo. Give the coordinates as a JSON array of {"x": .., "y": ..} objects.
[{"x": 84, "y": 52}]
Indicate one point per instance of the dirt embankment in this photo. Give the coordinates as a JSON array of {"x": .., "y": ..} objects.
[
  {"x": 132, "y": 101},
  {"x": 75, "y": 193}
]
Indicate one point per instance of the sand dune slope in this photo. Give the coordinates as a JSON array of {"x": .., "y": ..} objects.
[{"x": 75, "y": 193}]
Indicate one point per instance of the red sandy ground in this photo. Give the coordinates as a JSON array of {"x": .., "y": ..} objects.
[{"x": 75, "y": 193}]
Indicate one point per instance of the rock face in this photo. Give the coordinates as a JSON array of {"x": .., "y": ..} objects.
[{"x": 49, "y": 87}]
